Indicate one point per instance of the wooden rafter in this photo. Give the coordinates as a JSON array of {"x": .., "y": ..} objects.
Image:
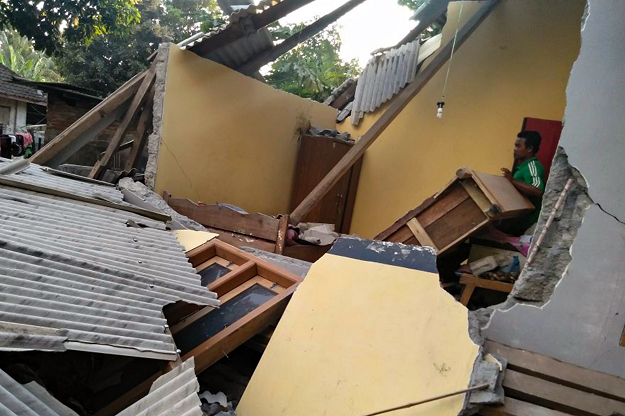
[
  {"x": 253, "y": 23},
  {"x": 299, "y": 37},
  {"x": 398, "y": 104},
  {"x": 143, "y": 130},
  {"x": 58, "y": 148},
  {"x": 139, "y": 98}
]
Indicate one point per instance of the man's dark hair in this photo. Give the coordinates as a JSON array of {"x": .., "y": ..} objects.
[{"x": 532, "y": 139}]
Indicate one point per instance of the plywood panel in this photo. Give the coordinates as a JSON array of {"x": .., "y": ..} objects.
[
  {"x": 359, "y": 337},
  {"x": 499, "y": 190},
  {"x": 456, "y": 223}
]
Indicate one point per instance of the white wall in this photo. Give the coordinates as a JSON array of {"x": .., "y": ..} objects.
[{"x": 17, "y": 115}]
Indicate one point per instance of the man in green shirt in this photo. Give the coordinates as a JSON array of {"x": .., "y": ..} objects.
[{"x": 527, "y": 176}]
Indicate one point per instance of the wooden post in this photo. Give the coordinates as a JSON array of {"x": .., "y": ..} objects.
[
  {"x": 100, "y": 167},
  {"x": 398, "y": 104},
  {"x": 88, "y": 120},
  {"x": 294, "y": 40}
]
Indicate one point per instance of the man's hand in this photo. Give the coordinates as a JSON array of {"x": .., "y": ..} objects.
[{"x": 507, "y": 173}]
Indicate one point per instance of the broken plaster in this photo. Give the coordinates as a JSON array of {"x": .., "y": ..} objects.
[{"x": 158, "y": 107}]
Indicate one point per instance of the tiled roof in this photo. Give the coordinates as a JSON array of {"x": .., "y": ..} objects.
[
  {"x": 11, "y": 89},
  {"x": 79, "y": 275},
  {"x": 174, "y": 393},
  {"x": 28, "y": 399}
]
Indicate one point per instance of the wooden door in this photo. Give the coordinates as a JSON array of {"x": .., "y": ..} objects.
[
  {"x": 550, "y": 131},
  {"x": 316, "y": 157}
]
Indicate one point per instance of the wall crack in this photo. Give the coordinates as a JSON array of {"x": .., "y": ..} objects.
[{"x": 608, "y": 213}]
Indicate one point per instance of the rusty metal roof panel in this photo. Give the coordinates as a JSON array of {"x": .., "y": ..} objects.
[
  {"x": 75, "y": 275},
  {"x": 28, "y": 399},
  {"x": 174, "y": 393}
]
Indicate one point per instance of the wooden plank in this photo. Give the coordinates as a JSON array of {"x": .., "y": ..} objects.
[
  {"x": 445, "y": 202},
  {"x": 282, "y": 230},
  {"x": 88, "y": 120},
  {"x": 224, "y": 218},
  {"x": 239, "y": 240},
  {"x": 292, "y": 41},
  {"x": 347, "y": 96},
  {"x": 551, "y": 369},
  {"x": 478, "y": 196},
  {"x": 467, "y": 279},
  {"x": 139, "y": 98},
  {"x": 397, "y": 105},
  {"x": 143, "y": 131},
  {"x": 513, "y": 407},
  {"x": 556, "y": 396},
  {"x": 456, "y": 224},
  {"x": 244, "y": 329},
  {"x": 6, "y": 181},
  {"x": 501, "y": 192},
  {"x": 420, "y": 234},
  {"x": 402, "y": 235},
  {"x": 467, "y": 292}
]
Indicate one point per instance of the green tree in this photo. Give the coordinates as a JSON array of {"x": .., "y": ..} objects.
[
  {"x": 50, "y": 22},
  {"x": 313, "y": 69},
  {"x": 18, "y": 54},
  {"x": 113, "y": 58}
]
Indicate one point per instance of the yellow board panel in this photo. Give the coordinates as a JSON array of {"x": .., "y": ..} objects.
[
  {"x": 359, "y": 337},
  {"x": 191, "y": 239}
]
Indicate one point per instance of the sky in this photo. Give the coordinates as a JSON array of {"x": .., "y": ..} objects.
[{"x": 371, "y": 25}]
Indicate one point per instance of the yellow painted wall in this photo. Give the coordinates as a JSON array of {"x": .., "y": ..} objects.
[
  {"x": 229, "y": 138},
  {"x": 359, "y": 337},
  {"x": 515, "y": 65}
]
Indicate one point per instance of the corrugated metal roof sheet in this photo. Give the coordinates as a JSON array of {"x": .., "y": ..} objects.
[
  {"x": 75, "y": 275},
  {"x": 174, "y": 393},
  {"x": 28, "y": 399},
  {"x": 387, "y": 74},
  {"x": 40, "y": 176},
  {"x": 237, "y": 53}
]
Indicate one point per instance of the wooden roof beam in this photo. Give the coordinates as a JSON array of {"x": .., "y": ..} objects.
[
  {"x": 299, "y": 37},
  {"x": 397, "y": 105},
  {"x": 248, "y": 25}
]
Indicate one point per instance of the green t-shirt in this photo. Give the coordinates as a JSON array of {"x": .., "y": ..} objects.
[{"x": 532, "y": 173}]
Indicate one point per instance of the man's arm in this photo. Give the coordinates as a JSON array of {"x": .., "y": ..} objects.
[{"x": 524, "y": 188}]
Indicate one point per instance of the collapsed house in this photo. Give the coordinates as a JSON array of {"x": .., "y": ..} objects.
[{"x": 353, "y": 339}]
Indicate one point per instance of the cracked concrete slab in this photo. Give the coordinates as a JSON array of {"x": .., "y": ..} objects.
[{"x": 583, "y": 320}]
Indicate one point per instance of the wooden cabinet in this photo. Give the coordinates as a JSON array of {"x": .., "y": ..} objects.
[
  {"x": 317, "y": 155},
  {"x": 465, "y": 206}
]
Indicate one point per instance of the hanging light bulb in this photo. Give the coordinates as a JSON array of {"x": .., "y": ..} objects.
[{"x": 439, "y": 111}]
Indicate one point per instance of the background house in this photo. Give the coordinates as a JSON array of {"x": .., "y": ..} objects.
[{"x": 20, "y": 105}]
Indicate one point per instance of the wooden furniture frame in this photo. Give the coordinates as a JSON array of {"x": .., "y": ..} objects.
[
  {"x": 466, "y": 205},
  {"x": 244, "y": 272},
  {"x": 254, "y": 230},
  {"x": 470, "y": 282},
  {"x": 538, "y": 385}
]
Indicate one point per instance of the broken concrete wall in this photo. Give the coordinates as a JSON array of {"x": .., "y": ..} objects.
[
  {"x": 583, "y": 320},
  {"x": 154, "y": 140}
]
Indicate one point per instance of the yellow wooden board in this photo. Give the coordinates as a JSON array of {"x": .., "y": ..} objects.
[
  {"x": 191, "y": 239},
  {"x": 358, "y": 337}
]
